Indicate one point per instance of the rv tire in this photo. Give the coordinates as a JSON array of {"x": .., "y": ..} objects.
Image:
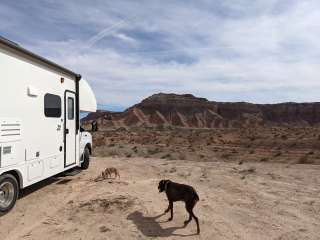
[
  {"x": 9, "y": 192},
  {"x": 86, "y": 159}
]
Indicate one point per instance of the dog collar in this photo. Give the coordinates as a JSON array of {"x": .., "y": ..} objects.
[{"x": 166, "y": 185}]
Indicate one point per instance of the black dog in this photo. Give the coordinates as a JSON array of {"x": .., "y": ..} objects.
[{"x": 180, "y": 192}]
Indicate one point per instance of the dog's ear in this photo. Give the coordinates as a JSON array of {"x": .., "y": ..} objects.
[{"x": 161, "y": 185}]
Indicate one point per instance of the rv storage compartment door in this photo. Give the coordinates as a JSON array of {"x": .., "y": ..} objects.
[
  {"x": 35, "y": 170},
  {"x": 10, "y": 137}
]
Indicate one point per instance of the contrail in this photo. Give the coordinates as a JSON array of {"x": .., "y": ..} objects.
[{"x": 96, "y": 38}]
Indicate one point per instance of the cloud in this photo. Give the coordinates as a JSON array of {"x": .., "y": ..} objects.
[
  {"x": 107, "y": 31},
  {"x": 265, "y": 51}
]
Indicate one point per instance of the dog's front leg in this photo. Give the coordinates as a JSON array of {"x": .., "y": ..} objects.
[
  {"x": 171, "y": 211},
  {"x": 168, "y": 209}
]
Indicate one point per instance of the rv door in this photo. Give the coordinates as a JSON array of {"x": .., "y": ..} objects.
[{"x": 69, "y": 129}]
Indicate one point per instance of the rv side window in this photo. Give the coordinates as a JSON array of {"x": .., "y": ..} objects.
[
  {"x": 70, "y": 108},
  {"x": 52, "y": 106}
]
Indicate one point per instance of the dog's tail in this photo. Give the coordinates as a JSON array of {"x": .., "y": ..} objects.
[{"x": 196, "y": 197}]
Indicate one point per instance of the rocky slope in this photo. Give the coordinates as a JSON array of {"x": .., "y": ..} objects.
[{"x": 189, "y": 111}]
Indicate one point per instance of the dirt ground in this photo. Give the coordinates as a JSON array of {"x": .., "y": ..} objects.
[
  {"x": 257, "y": 200},
  {"x": 264, "y": 144}
]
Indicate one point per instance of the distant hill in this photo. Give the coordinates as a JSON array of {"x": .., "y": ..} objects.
[{"x": 187, "y": 110}]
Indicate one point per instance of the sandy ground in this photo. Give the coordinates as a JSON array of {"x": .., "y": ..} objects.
[{"x": 249, "y": 201}]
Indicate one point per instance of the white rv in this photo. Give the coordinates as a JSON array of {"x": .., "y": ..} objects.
[{"x": 40, "y": 135}]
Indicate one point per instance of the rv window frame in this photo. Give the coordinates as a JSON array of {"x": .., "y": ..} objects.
[
  {"x": 48, "y": 114},
  {"x": 71, "y": 114}
]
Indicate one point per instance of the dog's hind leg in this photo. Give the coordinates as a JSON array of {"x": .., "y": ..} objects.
[
  {"x": 197, "y": 221},
  {"x": 189, "y": 220},
  {"x": 191, "y": 215},
  {"x": 189, "y": 207}
]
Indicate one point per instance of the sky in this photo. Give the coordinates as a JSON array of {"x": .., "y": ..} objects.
[{"x": 262, "y": 51}]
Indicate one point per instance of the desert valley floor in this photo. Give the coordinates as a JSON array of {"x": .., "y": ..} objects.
[{"x": 256, "y": 200}]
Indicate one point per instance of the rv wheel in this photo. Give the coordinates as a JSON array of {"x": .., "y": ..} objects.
[
  {"x": 9, "y": 191},
  {"x": 86, "y": 159}
]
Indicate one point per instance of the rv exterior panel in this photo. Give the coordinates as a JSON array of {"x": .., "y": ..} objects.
[{"x": 39, "y": 119}]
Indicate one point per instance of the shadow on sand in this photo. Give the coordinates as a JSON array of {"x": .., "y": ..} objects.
[
  {"x": 149, "y": 227},
  {"x": 57, "y": 179}
]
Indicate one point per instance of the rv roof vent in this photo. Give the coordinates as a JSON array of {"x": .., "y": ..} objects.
[{"x": 10, "y": 130}]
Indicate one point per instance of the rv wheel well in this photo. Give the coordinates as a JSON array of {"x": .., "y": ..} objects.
[
  {"x": 17, "y": 175},
  {"x": 89, "y": 147}
]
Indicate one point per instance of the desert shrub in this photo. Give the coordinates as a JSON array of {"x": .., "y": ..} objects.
[
  {"x": 278, "y": 154},
  {"x": 225, "y": 155},
  {"x": 252, "y": 138},
  {"x": 128, "y": 155},
  {"x": 112, "y": 153},
  {"x": 182, "y": 156},
  {"x": 111, "y": 145},
  {"x": 234, "y": 151},
  {"x": 264, "y": 159},
  {"x": 293, "y": 144},
  {"x": 249, "y": 170},
  {"x": 166, "y": 156},
  {"x": 135, "y": 149},
  {"x": 121, "y": 129},
  {"x": 153, "y": 151},
  {"x": 305, "y": 160}
]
